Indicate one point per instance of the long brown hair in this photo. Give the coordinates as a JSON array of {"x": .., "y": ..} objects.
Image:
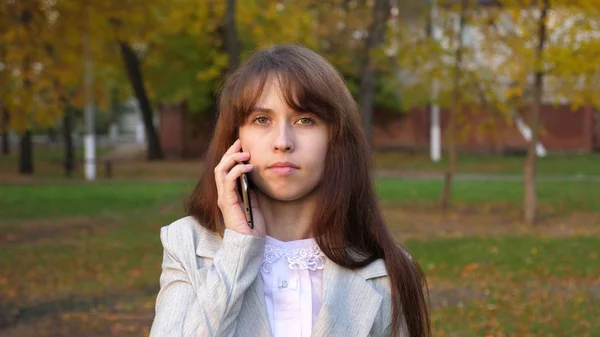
[{"x": 348, "y": 215}]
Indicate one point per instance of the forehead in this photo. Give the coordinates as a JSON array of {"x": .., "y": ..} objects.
[
  {"x": 285, "y": 91},
  {"x": 273, "y": 94}
]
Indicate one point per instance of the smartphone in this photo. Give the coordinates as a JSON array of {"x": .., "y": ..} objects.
[{"x": 243, "y": 187}]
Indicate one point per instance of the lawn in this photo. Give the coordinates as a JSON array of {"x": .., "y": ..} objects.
[
  {"x": 39, "y": 201},
  {"x": 83, "y": 259},
  {"x": 556, "y": 195},
  {"x": 553, "y": 164},
  {"x": 42, "y": 201}
]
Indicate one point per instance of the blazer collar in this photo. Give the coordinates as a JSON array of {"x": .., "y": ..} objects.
[
  {"x": 209, "y": 242},
  {"x": 349, "y": 308}
]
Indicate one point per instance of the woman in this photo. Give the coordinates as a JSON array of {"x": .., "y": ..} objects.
[{"x": 319, "y": 260}]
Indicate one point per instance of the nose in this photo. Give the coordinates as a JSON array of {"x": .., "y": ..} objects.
[{"x": 284, "y": 138}]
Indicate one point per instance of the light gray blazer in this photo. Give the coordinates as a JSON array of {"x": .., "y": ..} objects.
[{"x": 209, "y": 287}]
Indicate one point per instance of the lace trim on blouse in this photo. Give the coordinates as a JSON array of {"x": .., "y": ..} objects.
[{"x": 302, "y": 258}]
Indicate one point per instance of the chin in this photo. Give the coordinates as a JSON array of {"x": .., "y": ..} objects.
[{"x": 286, "y": 193}]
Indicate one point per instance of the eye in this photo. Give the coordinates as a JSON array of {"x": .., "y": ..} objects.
[
  {"x": 306, "y": 121},
  {"x": 260, "y": 120}
]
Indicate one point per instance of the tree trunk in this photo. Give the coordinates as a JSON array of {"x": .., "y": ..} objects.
[
  {"x": 8, "y": 313},
  {"x": 26, "y": 153},
  {"x": 4, "y": 117},
  {"x": 5, "y": 138},
  {"x": 68, "y": 140},
  {"x": 376, "y": 35},
  {"x": 457, "y": 109},
  {"x": 530, "y": 188},
  {"x": 231, "y": 37},
  {"x": 132, "y": 64}
]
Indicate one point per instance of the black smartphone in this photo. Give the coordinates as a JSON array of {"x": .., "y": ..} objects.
[{"x": 243, "y": 187}]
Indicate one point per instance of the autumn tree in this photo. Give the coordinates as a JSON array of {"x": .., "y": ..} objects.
[
  {"x": 190, "y": 48},
  {"x": 444, "y": 67},
  {"x": 375, "y": 37},
  {"x": 4, "y": 116},
  {"x": 43, "y": 70},
  {"x": 546, "y": 51},
  {"x": 134, "y": 24},
  {"x": 531, "y": 200},
  {"x": 28, "y": 94},
  {"x": 457, "y": 107},
  {"x": 232, "y": 40}
]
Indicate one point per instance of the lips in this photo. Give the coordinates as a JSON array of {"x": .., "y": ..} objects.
[
  {"x": 284, "y": 164},
  {"x": 283, "y": 168}
]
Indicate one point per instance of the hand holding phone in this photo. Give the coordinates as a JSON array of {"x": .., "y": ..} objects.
[{"x": 236, "y": 200}]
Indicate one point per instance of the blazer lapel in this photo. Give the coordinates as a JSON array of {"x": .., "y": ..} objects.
[
  {"x": 253, "y": 319},
  {"x": 350, "y": 304}
]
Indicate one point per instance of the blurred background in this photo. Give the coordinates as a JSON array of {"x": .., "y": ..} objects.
[{"x": 482, "y": 116}]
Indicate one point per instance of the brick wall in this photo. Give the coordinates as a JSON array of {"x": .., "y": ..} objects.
[
  {"x": 563, "y": 130},
  {"x": 171, "y": 130},
  {"x": 183, "y": 135},
  {"x": 596, "y": 130}
]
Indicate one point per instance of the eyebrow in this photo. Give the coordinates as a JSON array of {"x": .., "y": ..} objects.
[
  {"x": 261, "y": 109},
  {"x": 267, "y": 110}
]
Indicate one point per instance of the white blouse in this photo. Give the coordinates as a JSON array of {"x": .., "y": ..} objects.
[{"x": 292, "y": 274}]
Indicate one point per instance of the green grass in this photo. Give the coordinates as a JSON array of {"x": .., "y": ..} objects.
[
  {"x": 511, "y": 285},
  {"x": 553, "y": 164},
  {"x": 565, "y": 196},
  {"x": 42, "y": 201},
  {"x": 519, "y": 259},
  {"x": 117, "y": 257},
  {"x": 518, "y": 280},
  {"x": 515, "y": 286},
  {"x": 28, "y": 201},
  {"x": 522, "y": 314}
]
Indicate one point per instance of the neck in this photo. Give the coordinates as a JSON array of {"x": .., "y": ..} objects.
[{"x": 288, "y": 220}]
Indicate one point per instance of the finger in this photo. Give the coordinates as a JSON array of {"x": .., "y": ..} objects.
[
  {"x": 227, "y": 162},
  {"x": 230, "y": 182},
  {"x": 235, "y": 147},
  {"x": 235, "y": 158}
]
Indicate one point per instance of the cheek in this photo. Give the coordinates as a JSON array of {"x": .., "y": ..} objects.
[
  {"x": 318, "y": 154},
  {"x": 248, "y": 141}
]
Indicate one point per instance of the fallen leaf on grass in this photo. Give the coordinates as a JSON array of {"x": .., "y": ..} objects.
[{"x": 471, "y": 267}]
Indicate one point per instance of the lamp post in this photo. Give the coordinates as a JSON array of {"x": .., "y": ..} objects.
[
  {"x": 89, "y": 140},
  {"x": 435, "y": 138}
]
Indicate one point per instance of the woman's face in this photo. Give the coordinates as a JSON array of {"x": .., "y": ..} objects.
[{"x": 287, "y": 148}]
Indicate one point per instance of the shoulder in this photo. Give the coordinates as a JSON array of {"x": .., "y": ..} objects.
[
  {"x": 377, "y": 269},
  {"x": 375, "y": 273},
  {"x": 373, "y": 270},
  {"x": 188, "y": 235}
]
